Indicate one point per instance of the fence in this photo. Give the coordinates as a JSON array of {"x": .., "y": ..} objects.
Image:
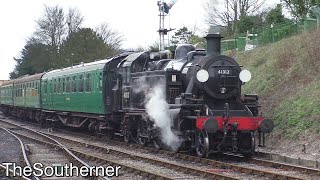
[{"x": 263, "y": 36}]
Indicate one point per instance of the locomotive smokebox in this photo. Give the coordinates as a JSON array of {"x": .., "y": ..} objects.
[{"x": 213, "y": 44}]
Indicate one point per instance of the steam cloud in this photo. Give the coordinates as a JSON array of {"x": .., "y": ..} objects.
[{"x": 158, "y": 110}]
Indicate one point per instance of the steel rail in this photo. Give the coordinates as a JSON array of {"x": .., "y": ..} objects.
[
  {"x": 23, "y": 149},
  {"x": 286, "y": 166},
  {"x": 221, "y": 164},
  {"x": 59, "y": 145},
  {"x": 214, "y": 163},
  {"x": 99, "y": 159}
]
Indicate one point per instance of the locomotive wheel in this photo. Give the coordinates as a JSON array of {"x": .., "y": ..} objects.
[
  {"x": 157, "y": 143},
  {"x": 142, "y": 130},
  {"x": 110, "y": 131},
  {"x": 110, "y": 134},
  {"x": 126, "y": 136},
  {"x": 202, "y": 147},
  {"x": 252, "y": 140},
  {"x": 143, "y": 141},
  {"x": 126, "y": 132}
]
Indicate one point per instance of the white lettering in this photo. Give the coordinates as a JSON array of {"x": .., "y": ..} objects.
[
  {"x": 84, "y": 171},
  {"x": 7, "y": 167},
  {"x": 59, "y": 170},
  {"x": 110, "y": 171},
  {"x": 74, "y": 169},
  {"x": 50, "y": 169},
  {"x": 15, "y": 168},
  {"x": 27, "y": 171},
  {"x": 37, "y": 167}
]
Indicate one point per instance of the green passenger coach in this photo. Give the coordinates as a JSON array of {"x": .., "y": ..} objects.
[
  {"x": 74, "y": 89},
  {"x": 82, "y": 96},
  {"x": 26, "y": 91},
  {"x": 6, "y": 93}
]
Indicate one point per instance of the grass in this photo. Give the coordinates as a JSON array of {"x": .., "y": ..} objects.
[{"x": 286, "y": 76}]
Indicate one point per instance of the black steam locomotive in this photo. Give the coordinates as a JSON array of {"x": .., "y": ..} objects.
[
  {"x": 191, "y": 102},
  {"x": 203, "y": 107}
]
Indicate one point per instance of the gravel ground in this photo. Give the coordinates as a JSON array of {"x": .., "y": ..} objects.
[
  {"x": 280, "y": 171},
  {"x": 304, "y": 147},
  {"x": 10, "y": 149}
]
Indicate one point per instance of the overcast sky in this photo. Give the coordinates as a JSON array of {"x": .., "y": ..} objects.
[{"x": 136, "y": 20}]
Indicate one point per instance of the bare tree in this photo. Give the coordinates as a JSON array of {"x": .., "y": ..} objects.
[
  {"x": 51, "y": 27},
  {"x": 111, "y": 38},
  {"x": 227, "y": 12},
  {"x": 74, "y": 20}
]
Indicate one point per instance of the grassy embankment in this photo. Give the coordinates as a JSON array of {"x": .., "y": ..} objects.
[{"x": 286, "y": 76}]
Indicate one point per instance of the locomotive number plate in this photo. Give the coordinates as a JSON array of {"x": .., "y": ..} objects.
[{"x": 224, "y": 71}]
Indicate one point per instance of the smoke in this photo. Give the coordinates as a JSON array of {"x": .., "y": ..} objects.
[
  {"x": 139, "y": 85},
  {"x": 157, "y": 109}
]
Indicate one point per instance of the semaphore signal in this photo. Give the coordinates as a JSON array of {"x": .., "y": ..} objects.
[{"x": 164, "y": 9}]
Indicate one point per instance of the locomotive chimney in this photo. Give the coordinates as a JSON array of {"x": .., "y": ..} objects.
[{"x": 213, "y": 44}]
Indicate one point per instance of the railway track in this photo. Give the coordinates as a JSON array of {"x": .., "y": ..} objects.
[
  {"x": 45, "y": 150},
  {"x": 276, "y": 170},
  {"x": 12, "y": 174},
  {"x": 138, "y": 165},
  {"x": 79, "y": 143}
]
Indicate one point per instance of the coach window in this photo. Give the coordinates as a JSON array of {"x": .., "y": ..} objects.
[
  {"x": 51, "y": 90},
  {"x": 30, "y": 91},
  {"x": 54, "y": 86},
  {"x": 80, "y": 85},
  {"x": 88, "y": 83},
  {"x": 68, "y": 85},
  {"x": 24, "y": 90},
  {"x": 59, "y": 86},
  {"x": 74, "y": 84},
  {"x": 63, "y": 85},
  {"x": 100, "y": 82},
  {"x": 45, "y": 88},
  {"x": 36, "y": 89}
]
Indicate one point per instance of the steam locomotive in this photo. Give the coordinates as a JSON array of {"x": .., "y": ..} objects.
[{"x": 191, "y": 103}]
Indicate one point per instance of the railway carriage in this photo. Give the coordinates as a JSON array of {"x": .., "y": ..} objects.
[
  {"x": 6, "y": 96},
  {"x": 75, "y": 95},
  {"x": 24, "y": 100}
]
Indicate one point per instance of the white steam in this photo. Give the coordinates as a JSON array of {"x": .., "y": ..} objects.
[{"x": 158, "y": 110}]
